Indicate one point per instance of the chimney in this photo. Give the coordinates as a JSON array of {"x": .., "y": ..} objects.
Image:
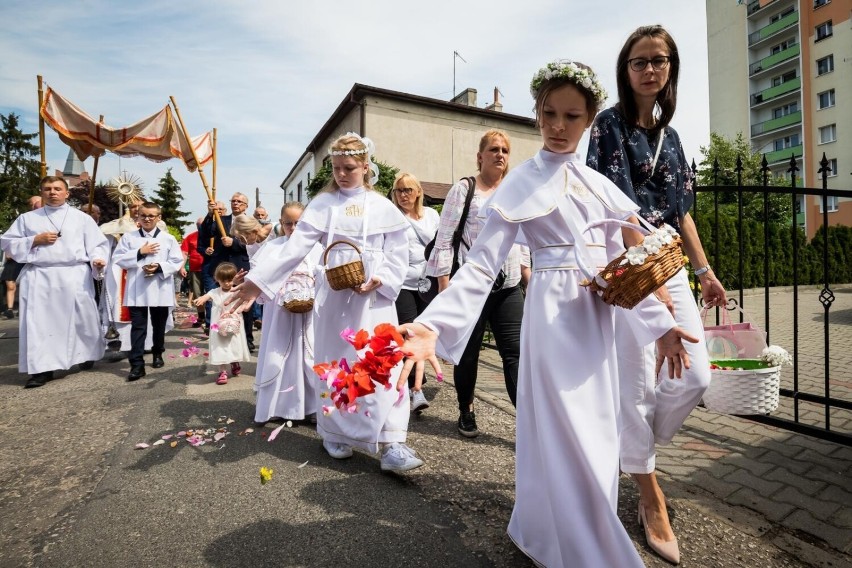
[
  {"x": 466, "y": 97},
  {"x": 496, "y": 105}
]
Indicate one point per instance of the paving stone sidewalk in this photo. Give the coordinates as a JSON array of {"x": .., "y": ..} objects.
[{"x": 797, "y": 484}]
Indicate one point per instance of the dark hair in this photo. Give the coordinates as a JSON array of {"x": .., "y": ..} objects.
[
  {"x": 667, "y": 97},
  {"x": 150, "y": 205},
  {"x": 551, "y": 85},
  {"x": 51, "y": 179},
  {"x": 225, "y": 271}
]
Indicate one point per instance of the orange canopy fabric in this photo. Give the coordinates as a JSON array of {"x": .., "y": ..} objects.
[{"x": 157, "y": 137}]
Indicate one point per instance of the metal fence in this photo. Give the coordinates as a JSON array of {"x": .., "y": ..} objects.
[{"x": 811, "y": 404}]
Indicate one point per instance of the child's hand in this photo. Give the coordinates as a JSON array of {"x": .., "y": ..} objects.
[
  {"x": 199, "y": 302},
  {"x": 369, "y": 286},
  {"x": 419, "y": 371}
]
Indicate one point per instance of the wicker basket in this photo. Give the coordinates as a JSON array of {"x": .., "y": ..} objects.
[
  {"x": 628, "y": 284},
  {"x": 298, "y": 293},
  {"x": 751, "y": 391},
  {"x": 349, "y": 275}
]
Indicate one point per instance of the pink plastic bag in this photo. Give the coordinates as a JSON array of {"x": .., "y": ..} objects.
[{"x": 733, "y": 340}]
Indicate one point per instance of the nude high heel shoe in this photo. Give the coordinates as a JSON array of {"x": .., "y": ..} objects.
[{"x": 667, "y": 550}]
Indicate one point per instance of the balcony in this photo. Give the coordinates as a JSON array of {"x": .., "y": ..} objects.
[
  {"x": 776, "y": 123},
  {"x": 779, "y": 25},
  {"x": 774, "y": 59},
  {"x": 776, "y": 91},
  {"x": 784, "y": 155},
  {"x": 753, "y": 7}
]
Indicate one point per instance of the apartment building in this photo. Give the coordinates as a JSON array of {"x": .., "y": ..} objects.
[{"x": 781, "y": 73}]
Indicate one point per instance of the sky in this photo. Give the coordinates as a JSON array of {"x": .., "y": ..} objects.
[{"x": 268, "y": 74}]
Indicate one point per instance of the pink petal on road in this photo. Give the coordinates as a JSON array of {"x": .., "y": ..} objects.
[
  {"x": 275, "y": 432},
  {"x": 141, "y": 446}
]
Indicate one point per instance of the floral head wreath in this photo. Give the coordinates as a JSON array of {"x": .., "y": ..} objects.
[
  {"x": 369, "y": 148},
  {"x": 567, "y": 69}
]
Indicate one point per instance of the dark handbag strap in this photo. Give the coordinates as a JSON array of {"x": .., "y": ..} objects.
[{"x": 457, "y": 235}]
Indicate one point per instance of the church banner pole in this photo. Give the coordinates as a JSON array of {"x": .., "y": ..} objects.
[
  {"x": 198, "y": 165},
  {"x": 41, "y": 127}
]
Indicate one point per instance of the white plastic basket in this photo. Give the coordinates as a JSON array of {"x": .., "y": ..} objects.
[{"x": 754, "y": 391}]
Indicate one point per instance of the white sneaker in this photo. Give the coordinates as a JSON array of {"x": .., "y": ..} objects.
[
  {"x": 399, "y": 457},
  {"x": 418, "y": 402},
  {"x": 337, "y": 451}
]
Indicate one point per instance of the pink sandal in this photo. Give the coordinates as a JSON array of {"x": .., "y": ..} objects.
[
  {"x": 235, "y": 369},
  {"x": 223, "y": 378}
]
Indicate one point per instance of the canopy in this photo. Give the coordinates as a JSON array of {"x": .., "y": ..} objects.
[{"x": 157, "y": 137}]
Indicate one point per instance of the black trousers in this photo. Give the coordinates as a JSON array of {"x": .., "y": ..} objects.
[
  {"x": 503, "y": 310},
  {"x": 139, "y": 330},
  {"x": 409, "y": 305}
]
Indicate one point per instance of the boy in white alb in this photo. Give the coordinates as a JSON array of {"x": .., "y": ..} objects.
[{"x": 151, "y": 257}]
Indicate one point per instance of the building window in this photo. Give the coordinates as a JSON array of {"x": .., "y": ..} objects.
[
  {"x": 782, "y": 46},
  {"x": 787, "y": 142},
  {"x": 785, "y": 110},
  {"x": 830, "y": 201},
  {"x": 832, "y": 167},
  {"x": 828, "y": 134},
  {"x": 777, "y": 17},
  {"x": 826, "y": 99},
  {"x": 825, "y": 65},
  {"x": 823, "y": 30},
  {"x": 299, "y": 192},
  {"x": 819, "y": 3},
  {"x": 788, "y": 76}
]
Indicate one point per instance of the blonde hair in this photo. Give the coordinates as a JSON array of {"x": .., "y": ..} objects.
[
  {"x": 486, "y": 139},
  {"x": 292, "y": 205},
  {"x": 408, "y": 180},
  {"x": 243, "y": 224},
  {"x": 359, "y": 153}
]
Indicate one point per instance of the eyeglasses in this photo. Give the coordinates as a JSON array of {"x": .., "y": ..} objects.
[
  {"x": 239, "y": 201},
  {"x": 290, "y": 223},
  {"x": 658, "y": 63},
  {"x": 404, "y": 190},
  {"x": 148, "y": 216}
]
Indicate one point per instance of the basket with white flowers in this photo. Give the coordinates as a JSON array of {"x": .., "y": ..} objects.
[{"x": 747, "y": 386}]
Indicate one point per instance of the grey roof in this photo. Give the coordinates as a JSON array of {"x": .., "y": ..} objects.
[{"x": 73, "y": 165}]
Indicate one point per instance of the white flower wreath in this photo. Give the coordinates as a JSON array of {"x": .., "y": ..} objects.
[{"x": 567, "y": 69}]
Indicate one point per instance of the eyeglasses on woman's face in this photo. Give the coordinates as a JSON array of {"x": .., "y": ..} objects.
[
  {"x": 658, "y": 63},
  {"x": 404, "y": 190}
]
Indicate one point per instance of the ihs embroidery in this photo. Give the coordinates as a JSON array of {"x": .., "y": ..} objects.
[
  {"x": 354, "y": 211},
  {"x": 578, "y": 189}
]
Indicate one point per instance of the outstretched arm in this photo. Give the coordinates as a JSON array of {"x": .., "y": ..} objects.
[{"x": 419, "y": 346}]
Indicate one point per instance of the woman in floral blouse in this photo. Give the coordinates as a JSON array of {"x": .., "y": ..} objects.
[{"x": 634, "y": 146}]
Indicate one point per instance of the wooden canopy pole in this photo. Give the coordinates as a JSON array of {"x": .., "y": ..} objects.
[
  {"x": 198, "y": 165},
  {"x": 41, "y": 127},
  {"x": 94, "y": 176},
  {"x": 214, "y": 176},
  {"x": 214, "y": 164}
]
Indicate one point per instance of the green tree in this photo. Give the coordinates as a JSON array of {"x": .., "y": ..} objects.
[
  {"x": 80, "y": 199},
  {"x": 323, "y": 176},
  {"x": 724, "y": 152},
  {"x": 168, "y": 197},
  {"x": 20, "y": 169}
]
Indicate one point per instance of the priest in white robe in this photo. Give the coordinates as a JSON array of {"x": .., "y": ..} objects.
[{"x": 63, "y": 250}]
